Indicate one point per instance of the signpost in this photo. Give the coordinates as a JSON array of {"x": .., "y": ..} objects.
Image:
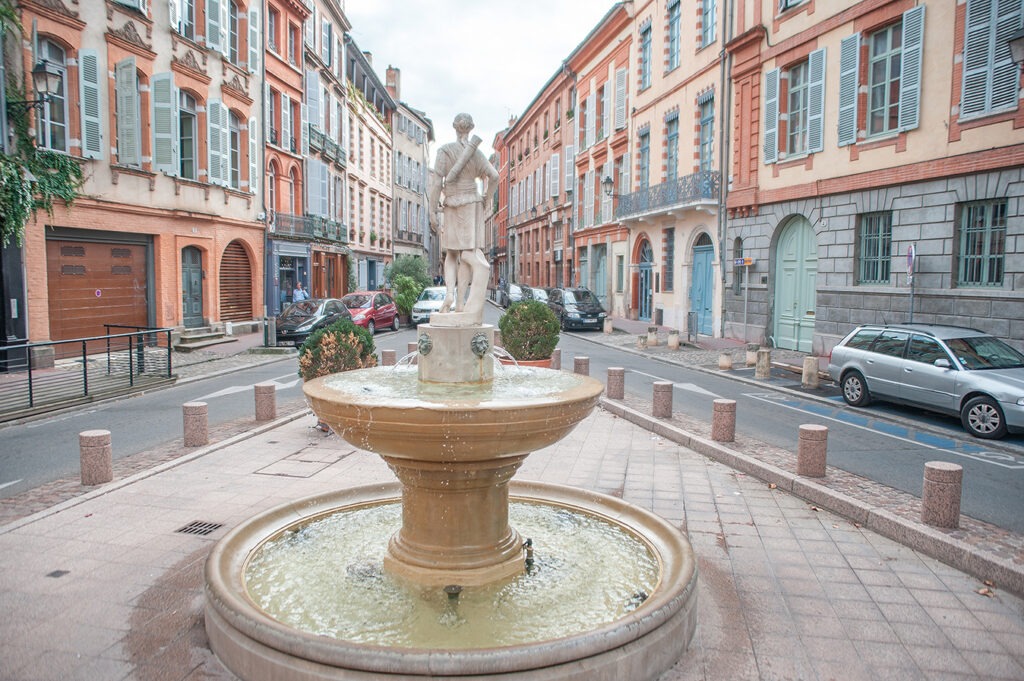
[
  {"x": 911, "y": 257},
  {"x": 746, "y": 264}
]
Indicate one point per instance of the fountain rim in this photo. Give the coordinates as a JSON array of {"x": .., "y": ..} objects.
[{"x": 228, "y": 598}]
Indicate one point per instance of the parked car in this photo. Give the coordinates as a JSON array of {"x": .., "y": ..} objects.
[
  {"x": 576, "y": 308},
  {"x": 535, "y": 293},
  {"x": 948, "y": 369},
  {"x": 297, "y": 321},
  {"x": 430, "y": 301},
  {"x": 372, "y": 310},
  {"x": 511, "y": 293}
]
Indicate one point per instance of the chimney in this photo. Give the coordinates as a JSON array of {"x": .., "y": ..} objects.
[
  {"x": 369, "y": 57},
  {"x": 393, "y": 82}
]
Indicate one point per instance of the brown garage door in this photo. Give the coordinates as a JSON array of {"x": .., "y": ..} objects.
[
  {"x": 235, "y": 284},
  {"x": 92, "y": 284}
]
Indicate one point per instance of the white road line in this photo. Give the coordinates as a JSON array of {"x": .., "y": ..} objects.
[
  {"x": 230, "y": 390},
  {"x": 8, "y": 484},
  {"x": 691, "y": 387}
]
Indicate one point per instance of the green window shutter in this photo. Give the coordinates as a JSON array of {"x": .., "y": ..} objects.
[
  {"x": 126, "y": 85},
  {"x": 165, "y": 123},
  {"x": 254, "y": 40},
  {"x": 849, "y": 74},
  {"x": 771, "y": 116},
  {"x": 89, "y": 95},
  {"x": 910, "y": 72},
  {"x": 816, "y": 101}
]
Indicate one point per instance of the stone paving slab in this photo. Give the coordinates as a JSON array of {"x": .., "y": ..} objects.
[{"x": 104, "y": 587}]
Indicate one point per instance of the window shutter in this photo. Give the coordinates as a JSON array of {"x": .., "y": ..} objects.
[
  {"x": 588, "y": 198},
  {"x": 89, "y": 93},
  {"x": 327, "y": 42},
  {"x": 213, "y": 25},
  {"x": 816, "y": 101},
  {"x": 569, "y": 174},
  {"x": 174, "y": 7},
  {"x": 225, "y": 27},
  {"x": 126, "y": 84},
  {"x": 591, "y": 121},
  {"x": 529, "y": 191},
  {"x": 771, "y": 116},
  {"x": 313, "y": 97},
  {"x": 849, "y": 72},
  {"x": 310, "y": 30},
  {"x": 325, "y": 189},
  {"x": 254, "y": 40},
  {"x": 304, "y": 132},
  {"x": 1005, "y": 73},
  {"x": 253, "y": 138},
  {"x": 910, "y": 74},
  {"x": 214, "y": 117},
  {"x": 335, "y": 132},
  {"x": 268, "y": 112},
  {"x": 606, "y": 112},
  {"x": 287, "y": 133},
  {"x": 165, "y": 123},
  {"x": 554, "y": 174},
  {"x": 312, "y": 185},
  {"x": 606, "y": 201}
]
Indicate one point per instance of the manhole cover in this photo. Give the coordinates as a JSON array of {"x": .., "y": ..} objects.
[{"x": 200, "y": 527}]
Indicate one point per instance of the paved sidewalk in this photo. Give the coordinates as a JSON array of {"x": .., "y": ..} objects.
[{"x": 106, "y": 586}]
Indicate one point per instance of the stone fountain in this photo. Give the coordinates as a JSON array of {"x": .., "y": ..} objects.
[{"x": 454, "y": 434}]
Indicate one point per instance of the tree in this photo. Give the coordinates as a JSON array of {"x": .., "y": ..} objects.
[{"x": 411, "y": 266}]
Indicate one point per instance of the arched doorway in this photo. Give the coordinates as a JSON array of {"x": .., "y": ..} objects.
[
  {"x": 796, "y": 267},
  {"x": 645, "y": 285},
  {"x": 702, "y": 291},
  {"x": 235, "y": 284},
  {"x": 191, "y": 287}
]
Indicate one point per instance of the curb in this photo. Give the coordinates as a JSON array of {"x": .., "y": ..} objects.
[{"x": 928, "y": 540}]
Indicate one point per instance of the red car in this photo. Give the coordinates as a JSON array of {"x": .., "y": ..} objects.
[{"x": 372, "y": 310}]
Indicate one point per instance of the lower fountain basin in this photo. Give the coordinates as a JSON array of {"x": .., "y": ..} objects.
[{"x": 638, "y": 646}]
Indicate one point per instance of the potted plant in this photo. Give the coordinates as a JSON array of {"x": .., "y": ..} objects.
[
  {"x": 529, "y": 332},
  {"x": 342, "y": 346},
  {"x": 407, "y": 290}
]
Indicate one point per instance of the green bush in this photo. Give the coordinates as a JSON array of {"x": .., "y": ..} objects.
[
  {"x": 529, "y": 330},
  {"x": 407, "y": 290},
  {"x": 409, "y": 266},
  {"x": 342, "y": 346}
]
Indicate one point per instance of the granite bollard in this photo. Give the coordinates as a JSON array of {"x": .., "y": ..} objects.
[
  {"x": 616, "y": 388},
  {"x": 809, "y": 378},
  {"x": 556, "y": 358},
  {"x": 940, "y": 496},
  {"x": 265, "y": 395},
  {"x": 388, "y": 358},
  {"x": 196, "y": 424},
  {"x": 581, "y": 365},
  {"x": 763, "y": 367},
  {"x": 724, "y": 361},
  {"x": 673, "y": 339},
  {"x": 811, "y": 451},
  {"x": 95, "y": 457},
  {"x": 661, "y": 404},
  {"x": 723, "y": 420},
  {"x": 652, "y": 336}
]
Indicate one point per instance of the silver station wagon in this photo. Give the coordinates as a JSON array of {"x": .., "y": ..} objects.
[{"x": 949, "y": 369}]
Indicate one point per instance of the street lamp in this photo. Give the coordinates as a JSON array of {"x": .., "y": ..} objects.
[
  {"x": 609, "y": 185},
  {"x": 46, "y": 79},
  {"x": 1016, "y": 43}
]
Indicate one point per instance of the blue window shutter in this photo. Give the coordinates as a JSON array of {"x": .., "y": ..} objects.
[
  {"x": 910, "y": 73},
  {"x": 126, "y": 84},
  {"x": 771, "y": 116},
  {"x": 816, "y": 101},
  {"x": 165, "y": 123},
  {"x": 254, "y": 40},
  {"x": 849, "y": 80},
  {"x": 89, "y": 94}
]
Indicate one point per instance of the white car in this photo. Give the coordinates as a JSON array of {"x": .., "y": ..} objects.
[{"x": 430, "y": 301}]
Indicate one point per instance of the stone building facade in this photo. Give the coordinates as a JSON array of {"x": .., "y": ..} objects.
[{"x": 411, "y": 134}]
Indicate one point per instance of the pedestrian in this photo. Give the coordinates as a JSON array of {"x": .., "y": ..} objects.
[{"x": 299, "y": 293}]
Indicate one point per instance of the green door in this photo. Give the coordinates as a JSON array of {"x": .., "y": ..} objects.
[
  {"x": 192, "y": 287},
  {"x": 796, "y": 266},
  {"x": 702, "y": 291}
]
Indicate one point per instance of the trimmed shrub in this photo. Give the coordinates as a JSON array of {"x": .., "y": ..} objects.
[
  {"x": 342, "y": 346},
  {"x": 529, "y": 330}
]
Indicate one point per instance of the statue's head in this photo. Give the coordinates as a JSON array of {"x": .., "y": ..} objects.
[{"x": 463, "y": 123}]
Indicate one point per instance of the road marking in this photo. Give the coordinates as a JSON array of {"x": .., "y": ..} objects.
[
  {"x": 692, "y": 387},
  {"x": 230, "y": 390},
  {"x": 984, "y": 456},
  {"x": 8, "y": 484}
]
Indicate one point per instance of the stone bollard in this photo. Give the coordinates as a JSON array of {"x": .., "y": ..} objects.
[
  {"x": 723, "y": 421},
  {"x": 616, "y": 383},
  {"x": 809, "y": 379},
  {"x": 608, "y": 326},
  {"x": 412, "y": 347},
  {"x": 95, "y": 456},
  {"x": 196, "y": 424},
  {"x": 661, "y": 404},
  {"x": 556, "y": 358},
  {"x": 811, "y": 451},
  {"x": 388, "y": 358},
  {"x": 652, "y": 336},
  {"x": 752, "y": 354},
  {"x": 266, "y": 401},
  {"x": 763, "y": 369},
  {"x": 641, "y": 342},
  {"x": 725, "y": 361},
  {"x": 581, "y": 365},
  {"x": 673, "y": 339},
  {"x": 940, "y": 497}
]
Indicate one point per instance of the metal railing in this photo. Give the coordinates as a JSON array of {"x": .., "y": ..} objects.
[
  {"x": 38, "y": 377},
  {"x": 697, "y": 188},
  {"x": 293, "y": 225}
]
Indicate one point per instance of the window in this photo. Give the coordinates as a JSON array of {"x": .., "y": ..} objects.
[
  {"x": 668, "y": 273},
  {"x": 924, "y": 349},
  {"x": 272, "y": 187},
  {"x": 707, "y": 135},
  {"x": 271, "y": 122},
  {"x": 672, "y": 148},
  {"x": 129, "y": 125},
  {"x": 52, "y": 128},
  {"x": 293, "y": 45},
  {"x": 183, "y": 17},
  {"x": 620, "y": 273},
  {"x": 293, "y": 193},
  {"x": 884, "y": 79},
  {"x": 235, "y": 151},
  {"x": 644, "y": 146},
  {"x": 558, "y": 113},
  {"x": 890, "y": 343},
  {"x": 187, "y": 136},
  {"x": 874, "y": 246},
  {"x": 272, "y": 18},
  {"x": 738, "y": 271},
  {"x": 982, "y": 243},
  {"x": 233, "y": 22},
  {"x": 601, "y": 114},
  {"x": 795, "y": 108},
  {"x": 673, "y": 36},
  {"x": 707, "y": 29},
  {"x": 990, "y": 77},
  {"x": 645, "y": 57}
]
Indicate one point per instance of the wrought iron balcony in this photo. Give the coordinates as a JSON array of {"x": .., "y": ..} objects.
[
  {"x": 316, "y": 138},
  {"x": 689, "y": 191},
  {"x": 408, "y": 236},
  {"x": 294, "y": 225}
]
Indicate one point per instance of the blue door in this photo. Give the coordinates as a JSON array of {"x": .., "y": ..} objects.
[
  {"x": 796, "y": 267},
  {"x": 646, "y": 288},
  {"x": 702, "y": 286},
  {"x": 191, "y": 287}
]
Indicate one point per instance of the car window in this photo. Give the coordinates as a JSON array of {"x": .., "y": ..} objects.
[
  {"x": 357, "y": 300},
  {"x": 862, "y": 339},
  {"x": 568, "y": 297},
  {"x": 985, "y": 352},
  {"x": 432, "y": 294},
  {"x": 924, "y": 349},
  {"x": 555, "y": 296},
  {"x": 890, "y": 343},
  {"x": 586, "y": 297},
  {"x": 304, "y": 308},
  {"x": 383, "y": 299}
]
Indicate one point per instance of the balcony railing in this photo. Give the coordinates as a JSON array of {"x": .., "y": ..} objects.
[
  {"x": 316, "y": 138},
  {"x": 698, "y": 188},
  {"x": 293, "y": 225},
  {"x": 409, "y": 236}
]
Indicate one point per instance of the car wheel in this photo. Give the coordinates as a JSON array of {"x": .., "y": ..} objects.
[
  {"x": 983, "y": 418},
  {"x": 855, "y": 390},
  {"x": 562, "y": 324},
  {"x": 371, "y": 327},
  {"x": 396, "y": 324}
]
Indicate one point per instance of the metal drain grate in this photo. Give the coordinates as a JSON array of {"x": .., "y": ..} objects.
[{"x": 200, "y": 527}]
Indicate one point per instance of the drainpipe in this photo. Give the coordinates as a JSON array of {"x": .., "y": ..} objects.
[
  {"x": 269, "y": 333},
  {"x": 725, "y": 68}
]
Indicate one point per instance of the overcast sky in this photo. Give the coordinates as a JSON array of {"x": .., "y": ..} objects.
[{"x": 487, "y": 58}]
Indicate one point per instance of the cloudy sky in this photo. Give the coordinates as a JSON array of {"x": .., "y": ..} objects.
[{"x": 483, "y": 57}]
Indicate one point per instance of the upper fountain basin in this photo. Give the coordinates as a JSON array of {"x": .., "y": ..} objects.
[{"x": 387, "y": 410}]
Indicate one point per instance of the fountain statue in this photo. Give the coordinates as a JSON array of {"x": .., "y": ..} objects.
[{"x": 475, "y": 574}]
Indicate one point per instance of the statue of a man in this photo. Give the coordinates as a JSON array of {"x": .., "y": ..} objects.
[{"x": 457, "y": 168}]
